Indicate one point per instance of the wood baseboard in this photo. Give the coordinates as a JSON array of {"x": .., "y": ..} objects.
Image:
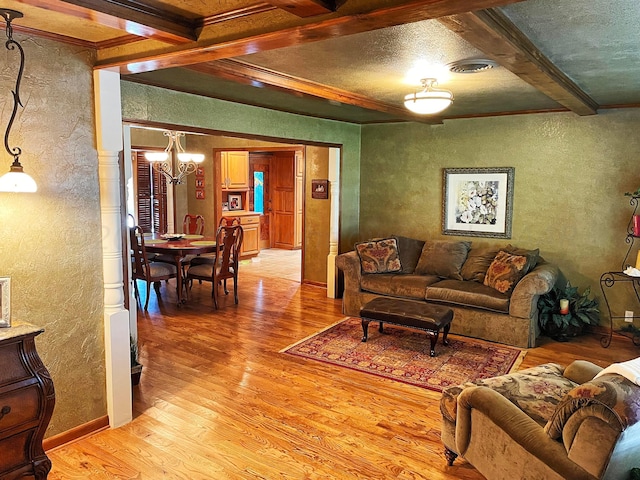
[
  {"x": 76, "y": 433},
  {"x": 315, "y": 284}
]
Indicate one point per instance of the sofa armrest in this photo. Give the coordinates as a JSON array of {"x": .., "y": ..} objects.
[
  {"x": 581, "y": 371},
  {"x": 524, "y": 299},
  {"x": 349, "y": 263},
  {"x": 517, "y": 425}
]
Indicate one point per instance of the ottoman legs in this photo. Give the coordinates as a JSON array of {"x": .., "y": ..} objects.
[
  {"x": 365, "y": 329},
  {"x": 433, "y": 334}
]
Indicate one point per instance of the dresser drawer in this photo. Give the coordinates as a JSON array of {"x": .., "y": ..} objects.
[
  {"x": 14, "y": 451},
  {"x": 251, "y": 219},
  {"x": 24, "y": 405},
  {"x": 13, "y": 369}
]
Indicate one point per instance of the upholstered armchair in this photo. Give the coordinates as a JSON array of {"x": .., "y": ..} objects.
[{"x": 546, "y": 422}]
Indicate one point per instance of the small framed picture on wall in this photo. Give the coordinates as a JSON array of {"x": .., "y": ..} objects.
[
  {"x": 200, "y": 172},
  {"x": 200, "y": 193},
  {"x": 199, "y": 182}
]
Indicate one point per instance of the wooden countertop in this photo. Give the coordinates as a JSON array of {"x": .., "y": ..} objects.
[{"x": 240, "y": 213}]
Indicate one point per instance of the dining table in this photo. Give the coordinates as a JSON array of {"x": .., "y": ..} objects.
[{"x": 179, "y": 246}]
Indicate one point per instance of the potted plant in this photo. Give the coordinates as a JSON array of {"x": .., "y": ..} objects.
[
  {"x": 136, "y": 367},
  {"x": 582, "y": 311}
]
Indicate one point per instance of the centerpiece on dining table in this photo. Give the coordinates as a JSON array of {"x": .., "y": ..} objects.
[{"x": 172, "y": 236}]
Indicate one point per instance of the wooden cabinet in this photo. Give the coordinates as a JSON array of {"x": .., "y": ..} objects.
[
  {"x": 251, "y": 235},
  {"x": 234, "y": 170},
  {"x": 26, "y": 403}
]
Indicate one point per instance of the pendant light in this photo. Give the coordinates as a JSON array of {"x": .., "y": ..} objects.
[{"x": 16, "y": 180}]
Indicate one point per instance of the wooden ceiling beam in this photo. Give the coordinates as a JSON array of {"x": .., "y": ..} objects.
[
  {"x": 133, "y": 17},
  {"x": 337, "y": 26},
  {"x": 305, "y": 8},
  {"x": 248, "y": 74},
  {"x": 494, "y": 34}
]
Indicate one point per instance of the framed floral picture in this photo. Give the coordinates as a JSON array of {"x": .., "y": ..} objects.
[
  {"x": 478, "y": 202},
  {"x": 5, "y": 301}
]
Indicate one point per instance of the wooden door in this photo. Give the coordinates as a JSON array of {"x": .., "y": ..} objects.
[
  {"x": 283, "y": 182},
  {"x": 151, "y": 196},
  {"x": 260, "y": 162}
]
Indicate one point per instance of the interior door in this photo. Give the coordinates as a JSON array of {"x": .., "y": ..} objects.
[
  {"x": 283, "y": 178},
  {"x": 260, "y": 162}
]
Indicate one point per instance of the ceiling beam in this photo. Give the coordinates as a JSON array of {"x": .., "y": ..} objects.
[
  {"x": 494, "y": 34},
  {"x": 333, "y": 27},
  {"x": 248, "y": 74},
  {"x": 305, "y": 8},
  {"x": 132, "y": 16}
]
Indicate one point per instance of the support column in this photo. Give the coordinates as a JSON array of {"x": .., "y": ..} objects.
[
  {"x": 334, "y": 189},
  {"x": 116, "y": 318}
]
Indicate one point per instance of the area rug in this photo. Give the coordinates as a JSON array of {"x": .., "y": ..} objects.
[{"x": 402, "y": 354}]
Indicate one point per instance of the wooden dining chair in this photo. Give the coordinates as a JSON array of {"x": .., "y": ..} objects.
[
  {"x": 144, "y": 269},
  {"x": 193, "y": 224},
  {"x": 223, "y": 266}
]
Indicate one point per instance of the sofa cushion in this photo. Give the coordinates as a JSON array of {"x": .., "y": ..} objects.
[
  {"x": 537, "y": 391},
  {"x": 379, "y": 256},
  {"x": 505, "y": 271},
  {"x": 443, "y": 258},
  {"x": 409, "y": 250},
  {"x": 477, "y": 263},
  {"x": 468, "y": 294},
  {"x": 407, "y": 286},
  {"x": 611, "y": 397},
  {"x": 533, "y": 256}
]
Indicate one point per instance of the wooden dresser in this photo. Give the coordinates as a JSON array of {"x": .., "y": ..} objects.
[{"x": 27, "y": 398}]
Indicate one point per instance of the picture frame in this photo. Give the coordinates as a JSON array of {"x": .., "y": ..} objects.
[
  {"x": 320, "y": 189},
  {"x": 199, "y": 194},
  {"x": 200, "y": 172},
  {"x": 478, "y": 202},
  {"x": 5, "y": 302},
  {"x": 225, "y": 206},
  {"x": 199, "y": 182},
  {"x": 235, "y": 202}
]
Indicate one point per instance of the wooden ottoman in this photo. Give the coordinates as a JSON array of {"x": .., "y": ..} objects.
[{"x": 423, "y": 316}]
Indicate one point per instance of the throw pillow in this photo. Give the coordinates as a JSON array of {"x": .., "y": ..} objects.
[
  {"x": 443, "y": 258},
  {"x": 409, "y": 250},
  {"x": 532, "y": 255},
  {"x": 505, "y": 271},
  {"x": 477, "y": 263},
  {"x": 379, "y": 256}
]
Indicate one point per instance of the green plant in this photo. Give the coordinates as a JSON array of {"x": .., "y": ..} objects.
[
  {"x": 582, "y": 311},
  {"x": 635, "y": 474},
  {"x": 134, "y": 352}
]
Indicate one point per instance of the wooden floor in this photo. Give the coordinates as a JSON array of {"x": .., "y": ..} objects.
[{"x": 217, "y": 400}]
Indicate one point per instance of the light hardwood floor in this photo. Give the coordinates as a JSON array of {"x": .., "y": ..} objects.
[{"x": 218, "y": 401}]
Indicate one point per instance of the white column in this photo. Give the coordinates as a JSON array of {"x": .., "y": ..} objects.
[
  {"x": 116, "y": 318},
  {"x": 334, "y": 189}
]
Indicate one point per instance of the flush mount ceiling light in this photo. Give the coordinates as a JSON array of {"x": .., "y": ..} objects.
[
  {"x": 174, "y": 163},
  {"x": 15, "y": 180},
  {"x": 430, "y": 100}
]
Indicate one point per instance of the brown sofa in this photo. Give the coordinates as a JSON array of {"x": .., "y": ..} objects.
[
  {"x": 479, "y": 310},
  {"x": 545, "y": 422}
]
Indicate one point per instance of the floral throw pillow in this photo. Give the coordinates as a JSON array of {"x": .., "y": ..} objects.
[
  {"x": 379, "y": 256},
  {"x": 505, "y": 271}
]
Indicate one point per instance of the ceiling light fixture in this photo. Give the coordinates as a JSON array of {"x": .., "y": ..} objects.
[
  {"x": 15, "y": 180},
  {"x": 430, "y": 100},
  {"x": 174, "y": 163}
]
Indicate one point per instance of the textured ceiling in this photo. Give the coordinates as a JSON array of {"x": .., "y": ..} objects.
[{"x": 356, "y": 61}]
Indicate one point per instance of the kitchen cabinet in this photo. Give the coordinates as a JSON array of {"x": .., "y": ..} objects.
[
  {"x": 251, "y": 235},
  {"x": 234, "y": 170}
]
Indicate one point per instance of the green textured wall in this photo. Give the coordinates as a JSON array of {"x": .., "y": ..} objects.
[
  {"x": 51, "y": 240},
  {"x": 570, "y": 177},
  {"x": 317, "y": 217},
  {"x": 143, "y": 102}
]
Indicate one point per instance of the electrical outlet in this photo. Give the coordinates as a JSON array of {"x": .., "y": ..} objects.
[{"x": 628, "y": 316}]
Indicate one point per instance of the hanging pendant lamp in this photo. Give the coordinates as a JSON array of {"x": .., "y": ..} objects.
[{"x": 16, "y": 180}]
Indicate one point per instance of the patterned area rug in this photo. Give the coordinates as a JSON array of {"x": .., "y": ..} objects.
[{"x": 403, "y": 354}]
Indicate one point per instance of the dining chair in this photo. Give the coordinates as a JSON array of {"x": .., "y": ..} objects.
[
  {"x": 144, "y": 269},
  {"x": 193, "y": 224},
  {"x": 224, "y": 265}
]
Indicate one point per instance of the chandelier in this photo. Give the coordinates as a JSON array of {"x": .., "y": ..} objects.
[
  {"x": 15, "y": 180},
  {"x": 430, "y": 100},
  {"x": 174, "y": 163}
]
